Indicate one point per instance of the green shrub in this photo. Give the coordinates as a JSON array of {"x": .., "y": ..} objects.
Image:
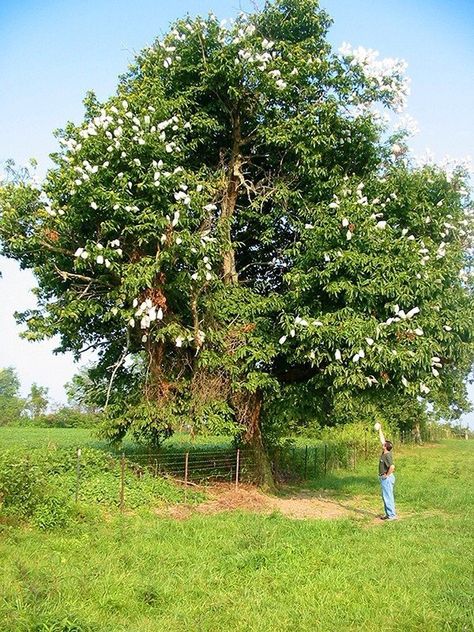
[
  {"x": 40, "y": 485},
  {"x": 22, "y": 486},
  {"x": 52, "y": 512}
]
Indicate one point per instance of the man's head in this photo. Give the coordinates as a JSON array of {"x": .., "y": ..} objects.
[{"x": 388, "y": 445}]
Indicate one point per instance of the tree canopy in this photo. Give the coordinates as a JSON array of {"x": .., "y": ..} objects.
[
  {"x": 11, "y": 404},
  {"x": 242, "y": 237}
]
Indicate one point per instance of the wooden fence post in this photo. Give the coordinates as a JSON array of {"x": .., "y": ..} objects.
[{"x": 237, "y": 468}]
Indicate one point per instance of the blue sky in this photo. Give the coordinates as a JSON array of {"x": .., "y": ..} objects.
[{"x": 53, "y": 51}]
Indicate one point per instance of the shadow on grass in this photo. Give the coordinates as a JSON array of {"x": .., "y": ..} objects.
[{"x": 341, "y": 485}]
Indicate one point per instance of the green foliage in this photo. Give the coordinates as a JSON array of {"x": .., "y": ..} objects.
[
  {"x": 66, "y": 417},
  {"x": 52, "y": 512},
  {"x": 238, "y": 225},
  {"x": 40, "y": 485},
  {"x": 82, "y": 390},
  {"x": 37, "y": 401},
  {"x": 12, "y": 406},
  {"x": 22, "y": 485},
  {"x": 9, "y": 383}
]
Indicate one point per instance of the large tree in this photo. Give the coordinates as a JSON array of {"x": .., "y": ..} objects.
[
  {"x": 12, "y": 406},
  {"x": 241, "y": 239}
]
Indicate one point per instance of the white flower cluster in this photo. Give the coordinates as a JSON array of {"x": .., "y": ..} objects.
[
  {"x": 262, "y": 59},
  {"x": 301, "y": 322},
  {"x": 201, "y": 336},
  {"x": 170, "y": 49},
  {"x": 83, "y": 253},
  {"x": 361, "y": 353},
  {"x": 387, "y": 74},
  {"x": 207, "y": 274},
  {"x": 408, "y": 124},
  {"x": 435, "y": 365},
  {"x": 400, "y": 314},
  {"x": 147, "y": 312}
]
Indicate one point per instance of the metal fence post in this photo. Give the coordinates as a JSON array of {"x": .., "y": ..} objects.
[
  {"x": 186, "y": 465},
  {"x": 78, "y": 473},
  {"x": 237, "y": 468},
  {"x": 305, "y": 462},
  {"x": 122, "y": 483},
  {"x": 365, "y": 448},
  {"x": 325, "y": 459}
]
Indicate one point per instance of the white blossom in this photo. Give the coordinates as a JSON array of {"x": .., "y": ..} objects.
[{"x": 412, "y": 312}]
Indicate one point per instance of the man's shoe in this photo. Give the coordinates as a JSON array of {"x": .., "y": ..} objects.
[{"x": 384, "y": 517}]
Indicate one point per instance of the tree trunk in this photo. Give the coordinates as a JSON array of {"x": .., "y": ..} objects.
[
  {"x": 229, "y": 203},
  {"x": 253, "y": 439},
  {"x": 417, "y": 434}
]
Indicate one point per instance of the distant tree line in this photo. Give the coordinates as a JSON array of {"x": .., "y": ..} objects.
[{"x": 37, "y": 408}]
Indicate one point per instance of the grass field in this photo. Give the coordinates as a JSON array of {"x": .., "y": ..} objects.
[
  {"x": 27, "y": 437},
  {"x": 247, "y": 571}
]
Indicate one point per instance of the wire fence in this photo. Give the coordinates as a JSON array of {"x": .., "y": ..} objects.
[{"x": 98, "y": 475}]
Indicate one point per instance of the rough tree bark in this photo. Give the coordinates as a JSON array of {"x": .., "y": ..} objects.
[
  {"x": 229, "y": 202},
  {"x": 250, "y": 412}
]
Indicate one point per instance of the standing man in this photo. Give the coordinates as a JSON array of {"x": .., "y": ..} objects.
[{"x": 387, "y": 478}]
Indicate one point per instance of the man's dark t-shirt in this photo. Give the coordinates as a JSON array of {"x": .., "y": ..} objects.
[{"x": 386, "y": 460}]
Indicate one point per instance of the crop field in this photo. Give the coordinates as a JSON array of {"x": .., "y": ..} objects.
[
  {"x": 27, "y": 437},
  {"x": 245, "y": 569}
]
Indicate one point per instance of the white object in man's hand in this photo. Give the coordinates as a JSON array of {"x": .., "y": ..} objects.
[{"x": 377, "y": 426}]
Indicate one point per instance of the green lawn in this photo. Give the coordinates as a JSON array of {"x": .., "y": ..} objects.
[{"x": 244, "y": 571}]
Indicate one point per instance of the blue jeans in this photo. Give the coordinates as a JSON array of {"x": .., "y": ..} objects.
[{"x": 387, "y": 495}]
